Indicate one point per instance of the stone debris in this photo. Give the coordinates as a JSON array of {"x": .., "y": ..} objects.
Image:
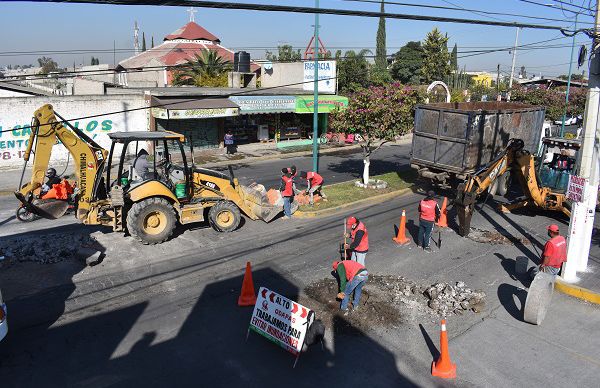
[
  {"x": 495, "y": 237},
  {"x": 45, "y": 249},
  {"x": 446, "y": 299}
]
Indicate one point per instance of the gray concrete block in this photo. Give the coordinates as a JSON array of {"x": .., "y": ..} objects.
[
  {"x": 90, "y": 256},
  {"x": 538, "y": 298},
  {"x": 521, "y": 264}
]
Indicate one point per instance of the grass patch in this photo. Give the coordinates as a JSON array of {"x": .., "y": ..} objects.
[{"x": 342, "y": 193}]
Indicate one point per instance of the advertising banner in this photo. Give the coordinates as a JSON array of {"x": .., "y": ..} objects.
[
  {"x": 265, "y": 104},
  {"x": 575, "y": 188},
  {"x": 327, "y": 76}
]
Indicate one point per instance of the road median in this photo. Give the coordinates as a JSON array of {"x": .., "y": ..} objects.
[
  {"x": 577, "y": 292},
  {"x": 343, "y": 195}
]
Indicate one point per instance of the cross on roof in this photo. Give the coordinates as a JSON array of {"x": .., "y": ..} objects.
[{"x": 192, "y": 11}]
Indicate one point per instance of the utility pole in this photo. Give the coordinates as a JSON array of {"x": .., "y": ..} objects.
[
  {"x": 498, "y": 83},
  {"x": 512, "y": 69},
  {"x": 316, "y": 95},
  {"x": 582, "y": 213},
  {"x": 562, "y": 127}
]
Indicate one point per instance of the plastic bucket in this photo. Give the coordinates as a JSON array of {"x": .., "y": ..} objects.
[{"x": 180, "y": 190}]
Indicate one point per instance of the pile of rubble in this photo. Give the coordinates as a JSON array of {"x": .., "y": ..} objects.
[
  {"x": 44, "y": 249},
  {"x": 446, "y": 299}
]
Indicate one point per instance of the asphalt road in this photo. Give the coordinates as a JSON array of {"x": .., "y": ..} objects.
[{"x": 167, "y": 315}]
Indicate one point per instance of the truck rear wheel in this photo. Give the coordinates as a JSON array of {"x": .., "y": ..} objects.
[
  {"x": 503, "y": 184},
  {"x": 224, "y": 216},
  {"x": 151, "y": 221}
]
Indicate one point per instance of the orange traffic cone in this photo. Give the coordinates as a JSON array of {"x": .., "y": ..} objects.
[
  {"x": 401, "y": 237},
  {"x": 443, "y": 367},
  {"x": 443, "y": 221},
  {"x": 247, "y": 296}
]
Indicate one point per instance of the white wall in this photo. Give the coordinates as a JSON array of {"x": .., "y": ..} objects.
[
  {"x": 10, "y": 93},
  {"x": 16, "y": 114}
]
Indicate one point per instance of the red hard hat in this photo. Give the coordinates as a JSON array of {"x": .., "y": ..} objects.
[
  {"x": 335, "y": 265},
  {"x": 351, "y": 221},
  {"x": 553, "y": 228}
]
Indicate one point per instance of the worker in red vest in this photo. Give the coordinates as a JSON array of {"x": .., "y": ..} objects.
[
  {"x": 352, "y": 276},
  {"x": 314, "y": 183},
  {"x": 287, "y": 191},
  {"x": 555, "y": 253},
  {"x": 429, "y": 213},
  {"x": 360, "y": 240}
]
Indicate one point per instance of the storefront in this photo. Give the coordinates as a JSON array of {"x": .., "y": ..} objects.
[
  {"x": 201, "y": 120},
  {"x": 260, "y": 117}
]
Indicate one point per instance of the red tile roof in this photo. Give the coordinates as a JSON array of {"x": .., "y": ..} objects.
[{"x": 192, "y": 31}]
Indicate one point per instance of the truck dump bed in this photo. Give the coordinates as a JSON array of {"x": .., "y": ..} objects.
[{"x": 458, "y": 138}]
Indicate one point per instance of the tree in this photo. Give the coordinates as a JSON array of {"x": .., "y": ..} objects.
[
  {"x": 454, "y": 58},
  {"x": 436, "y": 59},
  {"x": 47, "y": 64},
  {"x": 143, "y": 42},
  {"x": 380, "y": 50},
  {"x": 378, "y": 114},
  {"x": 574, "y": 77},
  {"x": 353, "y": 70},
  {"x": 523, "y": 73},
  {"x": 206, "y": 69},
  {"x": 407, "y": 63},
  {"x": 152, "y": 41},
  {"x": 285, "y": 53}
]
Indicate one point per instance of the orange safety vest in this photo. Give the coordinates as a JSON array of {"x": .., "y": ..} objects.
[
  {"x": 352, "y": 267},
  {"x": 556, "y": 251},
  {"x": 427, "y": 209},
  {"x": 364, "y": 242},
  {"x": 314, "y": 179},
  {"x": 287, "y": 191}
]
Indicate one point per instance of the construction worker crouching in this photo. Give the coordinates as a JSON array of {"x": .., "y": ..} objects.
[
  {"x": 429, "y": 213},
  {"x": 314, "y": 183},
  {"x": 353, "y": 277},
  {"x": 555, "y": 253},
  {"x": 360, "y": 240}
]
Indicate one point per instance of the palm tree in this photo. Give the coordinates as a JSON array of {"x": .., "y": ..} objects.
[{"x": 206, "y": 69}]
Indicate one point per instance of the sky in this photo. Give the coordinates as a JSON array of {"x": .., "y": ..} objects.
[{"x": 31, "y": 27}]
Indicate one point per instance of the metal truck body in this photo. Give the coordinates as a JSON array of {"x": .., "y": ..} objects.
[{"x": 453, "y": 140}]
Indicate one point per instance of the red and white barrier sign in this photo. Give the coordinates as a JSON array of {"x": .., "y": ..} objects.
[
  {"x": 280, "y": 320},
  {"x": 575, "y": 188}
]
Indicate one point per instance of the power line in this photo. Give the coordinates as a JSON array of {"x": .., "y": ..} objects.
[
  {"x": 573, "y": 5},
  {"x": 548, "y": 5},
  {"x": 458, "y": 8},
  {"x": 306, "y": 10}
]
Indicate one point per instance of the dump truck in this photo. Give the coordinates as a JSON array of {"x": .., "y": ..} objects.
[
  {"x": 454, "y": 140},
  {"x": 110, "y": 192}
]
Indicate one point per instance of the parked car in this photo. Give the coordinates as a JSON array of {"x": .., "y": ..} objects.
[
  {"x": 3, "y": 318},
  {"x": 573, "y": 120}
]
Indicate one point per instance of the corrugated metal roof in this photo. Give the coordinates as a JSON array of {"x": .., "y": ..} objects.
[{"x": 199, "y": 102}]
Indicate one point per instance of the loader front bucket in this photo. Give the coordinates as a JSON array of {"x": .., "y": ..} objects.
[
  {"x": 48, "y": 208},
  {"x": 255, "y": 198}
]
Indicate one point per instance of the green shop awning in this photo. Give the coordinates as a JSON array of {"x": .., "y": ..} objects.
[{"x": 305, "y": 104}]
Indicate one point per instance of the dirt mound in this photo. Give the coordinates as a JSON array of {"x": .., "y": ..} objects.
[
  {"x": 495, "y": 237},
  {"x": 388, "y": 301},
  {"x": 44, "y": 249}
]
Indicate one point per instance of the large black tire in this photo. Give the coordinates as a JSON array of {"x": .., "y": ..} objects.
[
  {"x": 151, "y": 221},
  {"x": 503, "y": 184},
  {"x": 224, "y": 216},
  {"x": 25, "y": 215}
]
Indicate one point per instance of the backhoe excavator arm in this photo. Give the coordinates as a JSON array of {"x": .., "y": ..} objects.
[{"x": 87, "y": 156}]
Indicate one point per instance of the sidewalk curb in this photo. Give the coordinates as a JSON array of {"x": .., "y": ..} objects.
[
  {"x": 577, "y": 292},
  {"x": 371, "y": 200}
]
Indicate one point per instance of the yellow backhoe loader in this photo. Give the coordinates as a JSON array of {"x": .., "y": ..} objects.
[
  {"x": 110, "y": 192},
  {"x": 522, "y": 166}
]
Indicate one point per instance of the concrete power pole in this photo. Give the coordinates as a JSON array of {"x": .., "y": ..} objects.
[
  {"x": 582, "y": 213},
  {"x": 512, "y": 69},
  {"x": 136, "y": 42}
]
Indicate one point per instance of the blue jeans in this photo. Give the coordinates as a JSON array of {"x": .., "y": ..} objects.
[
  {"x": 287, "y": 206},
  {"x": 355, "y": 286},
  {"x": 425, "y": 229}
]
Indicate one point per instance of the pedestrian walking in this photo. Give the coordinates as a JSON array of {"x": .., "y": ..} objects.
[
  {"x": 352, "y": 276},
  {"x": 287, "y": 191},
  {"x": 229, "y": 142},
  {"x": 554, "y": 254},
  {"x": 360, "y": 240},
  {"x": 429, "y": 213}
]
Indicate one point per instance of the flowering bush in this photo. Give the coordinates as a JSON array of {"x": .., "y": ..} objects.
[{"x": 553, "y": 100}]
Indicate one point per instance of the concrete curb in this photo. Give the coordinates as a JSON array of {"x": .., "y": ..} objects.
[
  {"x": 371, "y": 200},
  {"x": 577, "y": 292}
]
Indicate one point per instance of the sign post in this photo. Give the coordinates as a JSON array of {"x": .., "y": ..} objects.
[{"x": 280, "y": 320}]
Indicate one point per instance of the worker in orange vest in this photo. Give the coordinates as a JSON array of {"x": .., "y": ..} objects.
[
  {"x": 555, "y": 253},
  {"x": 352, "y": 276},
  {"x": 287, "y": 191},
  {"x": 314, "y": 183},
  {"x": 360, "y": 240},
  {"x": 429, "y": 213}
]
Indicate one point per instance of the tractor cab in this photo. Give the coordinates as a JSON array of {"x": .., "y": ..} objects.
[
  {"x": 139, "y": 158},
  {"x": 557, "y": 159}
]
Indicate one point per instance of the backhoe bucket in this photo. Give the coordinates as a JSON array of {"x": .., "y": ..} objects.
[
  {"x": 47, "y": 208},
  {"x": 256, "y": 199}
]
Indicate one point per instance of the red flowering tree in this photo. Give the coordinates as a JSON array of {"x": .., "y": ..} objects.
[{"x": 378, "y": 114}]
